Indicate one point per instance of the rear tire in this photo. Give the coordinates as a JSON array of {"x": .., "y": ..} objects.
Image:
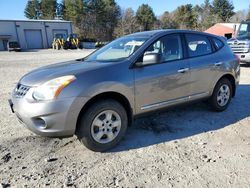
[
  {"x": 222, "y": 95},
  {"x": 103, "y": 125}
]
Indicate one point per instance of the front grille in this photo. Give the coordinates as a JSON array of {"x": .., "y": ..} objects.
[
  {"x": 239, "y": 48},
  {"x": 20, "y": 90}
]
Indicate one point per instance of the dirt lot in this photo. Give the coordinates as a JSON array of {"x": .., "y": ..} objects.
[{"x": 183, "y": 147}]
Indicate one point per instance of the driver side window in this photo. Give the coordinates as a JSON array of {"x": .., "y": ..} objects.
[{"x": 168, "y": 47}]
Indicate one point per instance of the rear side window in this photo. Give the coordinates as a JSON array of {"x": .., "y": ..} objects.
[
  {"x": 198, "y": 45},
  {"x": 218, "y": 43}
]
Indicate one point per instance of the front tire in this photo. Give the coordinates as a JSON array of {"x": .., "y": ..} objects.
[
  {"x": 222, "y": 95},
  {"x": 103, "y": 125}
]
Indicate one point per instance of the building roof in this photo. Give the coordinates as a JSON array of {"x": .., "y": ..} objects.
[
  {"x": 222, "y": 28},
  {"x": 55, "y": 21},
  {"x": 230, "y": 25},
  {"x": 219, "y": 29}
]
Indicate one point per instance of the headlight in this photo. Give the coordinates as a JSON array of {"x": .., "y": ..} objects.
[{"x": 52, "y": 88}]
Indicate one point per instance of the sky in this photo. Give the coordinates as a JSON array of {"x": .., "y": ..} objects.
[{"x": 13, "y": 9}]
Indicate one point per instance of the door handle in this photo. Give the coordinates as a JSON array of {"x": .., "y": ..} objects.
[
  {"x": 183, "y": 70},
  {"x": 218, "y": 64}
]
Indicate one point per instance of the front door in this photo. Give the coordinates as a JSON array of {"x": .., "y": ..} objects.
[{"x": 165, "y": 83}]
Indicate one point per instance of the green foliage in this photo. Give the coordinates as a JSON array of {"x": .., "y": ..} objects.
[
  {"x": 103, "y": 19},
  {"x": 92, "y": 19},
  {"x": 145, "y": 17},
  {"x": 109, "y": 18},
  {"x": 167, "y": 21},
  {"x": 48, "y": 9},
  {"x": 73, "y": 10},
  {"x": 203, "y": 13},
  {"x": 32, "y": 9},
  {"x": 185, "y": 17},
  {"x": 223, "y": 9}
]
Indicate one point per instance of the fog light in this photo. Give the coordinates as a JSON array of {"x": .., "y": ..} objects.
[{"x": 40, "y": 123}]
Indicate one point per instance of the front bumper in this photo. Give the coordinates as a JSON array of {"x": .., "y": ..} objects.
[
  {"x": 244, "y": 57},
  {"x": 55, "y": 118}
]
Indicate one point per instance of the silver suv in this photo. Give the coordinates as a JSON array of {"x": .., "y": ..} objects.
[{"x": 97, "y": 97}]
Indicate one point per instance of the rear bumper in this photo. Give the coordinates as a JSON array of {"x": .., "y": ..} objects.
[{"x": 57, "y": 118}]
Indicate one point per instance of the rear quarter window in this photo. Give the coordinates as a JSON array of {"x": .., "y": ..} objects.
[
  {"x": 218, "y": 43},
  {"x": 198, "y": 45}
]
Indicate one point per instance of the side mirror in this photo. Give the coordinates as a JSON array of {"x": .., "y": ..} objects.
[{"x": 149, "y": 59}]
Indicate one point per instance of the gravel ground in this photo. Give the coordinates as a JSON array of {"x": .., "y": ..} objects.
[{"x": 183, "y": 147}]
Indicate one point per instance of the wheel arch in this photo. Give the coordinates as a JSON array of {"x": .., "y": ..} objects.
[
  {"x": 108, "y": 95},
  {"x": 232, "y": 80}
]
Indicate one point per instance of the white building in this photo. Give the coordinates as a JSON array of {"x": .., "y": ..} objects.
[{"x": 32, "y": 34}]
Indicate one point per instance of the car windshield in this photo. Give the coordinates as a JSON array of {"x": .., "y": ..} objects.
[
  {"x": 118, "y": 50},
  {"x": 244, "y": 30},
  {"x": 60, "y": 36},
  {"x": 13, "y": 44}
]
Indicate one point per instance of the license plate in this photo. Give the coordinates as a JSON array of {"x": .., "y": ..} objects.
[{"x": 11, "y": 105}]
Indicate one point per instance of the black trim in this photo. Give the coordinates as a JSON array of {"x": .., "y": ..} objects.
[
  {"x": 184, "y": 46},
  {"x": 213, "y": 42}
]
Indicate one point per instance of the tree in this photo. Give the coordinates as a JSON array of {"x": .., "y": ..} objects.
[
  {"x": 239, "y": 16},
  {"x": 127, "y": 23},
  {"x": 109, "y": 18},
  {"x": 205, "y": 16},
  {"x": 185, "y": 17},
  {"x": 69, "y": 10},
  {"x": 145, "y": 17},
  {"x": 59, "y": 11},
  {"x": 101, "y": 18},
  {"x": 73, "y": 10},
  {"x": 48, "y": 9},
  {"x": 92, "y": 19},
  {"x": 223, "y": 9},
  {"x": 167, "y": 21},
  {"x": 32, "y": 9},
  {"x": 248, "y": 15}
]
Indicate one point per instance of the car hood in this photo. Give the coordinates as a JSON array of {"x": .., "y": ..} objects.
[
  {"x": 43, "y": 74},
  {"x": 239, "y": 39}
]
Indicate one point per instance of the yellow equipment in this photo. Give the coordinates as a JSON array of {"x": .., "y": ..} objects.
[
  {"x": 59, "y": 41},
  {"x": 73, "y": 41}
]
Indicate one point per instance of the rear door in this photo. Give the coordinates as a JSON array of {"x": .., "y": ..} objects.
[
  {"x": 202, "y": 64},
  {"x": 166, "y": 83}
]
